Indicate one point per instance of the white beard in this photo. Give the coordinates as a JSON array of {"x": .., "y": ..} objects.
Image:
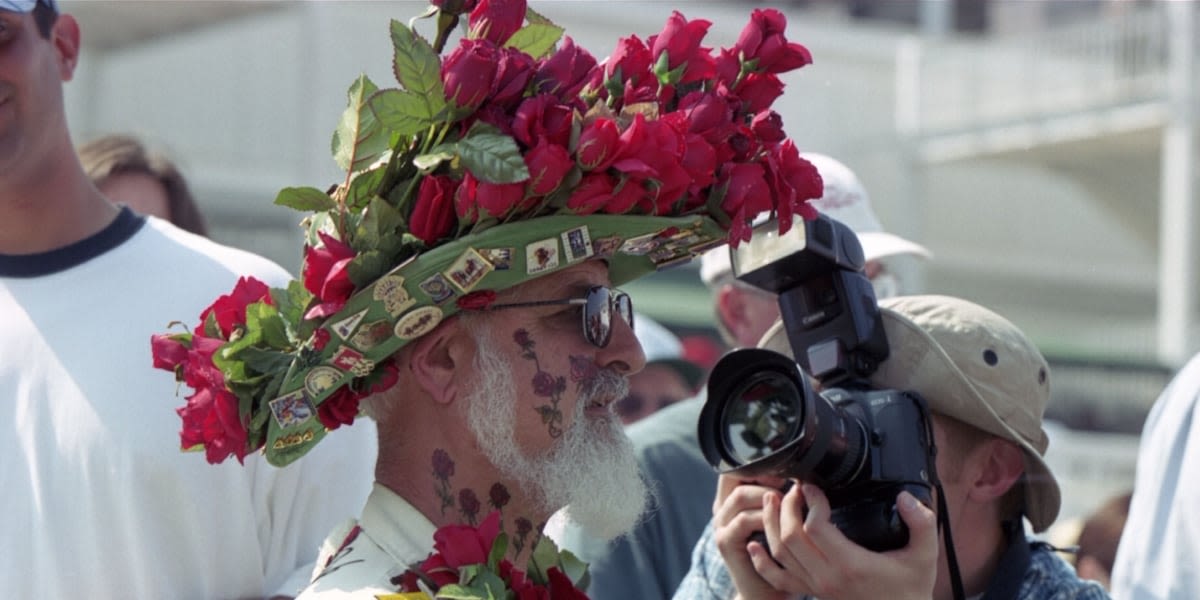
[{"x": 592, "y": 470}]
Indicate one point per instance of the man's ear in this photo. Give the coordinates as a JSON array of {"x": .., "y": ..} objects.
[
  {"x": 65, "y": 35},
  {"x": 435, "y": 360},
  {"x": 1003, "y": 463}
]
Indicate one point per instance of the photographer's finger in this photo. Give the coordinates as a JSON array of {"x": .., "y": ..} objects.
[
  {"x": 793, "y": 580},
  {"x": 825, "y": 537},
  {"x": 740, "y": 499},
  {"x": 922, "y": 526}
]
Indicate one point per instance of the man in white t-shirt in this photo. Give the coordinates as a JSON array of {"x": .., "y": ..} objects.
[{"x": 99, "y": 501}]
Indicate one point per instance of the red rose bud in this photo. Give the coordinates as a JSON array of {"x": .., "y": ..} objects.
[
  {"x": 680, "y": 39},
  {"x": 762, "y": 40},
  {"x": 592, "y": 193},
  {"x": 562, "y": 587},
  {"x": 543, "y": 117},
  {"x": 565, "y": 73},
  {"x": 598, "y": 145},
  {"x": 548, "y": 164},
  {"x": 768, "y": 126},
  {"x": 499, "y": 199},
  {"x": 758, "y": 91},
  {"x": 700, "y": 161},
  {"x": 629, "y": 62},
  {"x": 320, "y": 339},
  {"x": 325, "y": 275},
  {"x": 433, "y": 214},
  {"x": 464, "y": 199},
  {"x": 514, "y": 71},
  {"x": 625, "y": 196},
  {"x": 468, "y": 73},
  {"x": 339, "y": 409},
  {"x": 462, "y": 545},
  {"x": 746, "y": 190},
  {"x": 168, "y": 352},
  {"x": 793, "y": 182},
  {"x": 211, "y": 418},
  {"x": 476, "y": 300},
  {"x": 230, "y": 309},
  {"x": 497, "y": 20}
]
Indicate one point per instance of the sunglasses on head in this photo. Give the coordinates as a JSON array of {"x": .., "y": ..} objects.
[{"x": 599, "y": 305}]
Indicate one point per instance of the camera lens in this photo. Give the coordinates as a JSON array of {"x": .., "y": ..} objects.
[{"x": 761, "y": 416}]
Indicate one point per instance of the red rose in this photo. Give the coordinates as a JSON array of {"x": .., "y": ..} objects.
[
  {"x": 513, "y": 72},
  {"x": 339, "y": 409},
  {"x": 462, "y": 545},
  {"x": 211, "y": 418},
  {"x": 565, "y": 73},
  {"x": 758, "y": 91},
  {"x": 561, "y": 586},
  {"x": 707, "y": 114},
  {"x": 321, "y": 337},
  {"x": 468, "y": 73},
  {"x": 476, "y": 300},
  {"x": 433, "y": 213},
  {"x": 627, "y": 194},
  {"x": 229, "y": 310},
  {"x": 793, "y": 182},
  {"x": 762, "y": 40},
  {"x": 598, "y": 145},
  {"x": 548, "y": 164},
  {"x": 680, "y": 39},
  {"x": 497, "y": 20},
  {"x": 325, "y": 275},
  {"x": 700, "y": 162},
  {"x": 542, "y": 117},
  {"x": 167, "y": 351},
  {"x": 495, "y": 199},
  {"x": 746, "y": 195},
  {"x": 592, "y": 193},
  {"x": 768, "y": 127}
]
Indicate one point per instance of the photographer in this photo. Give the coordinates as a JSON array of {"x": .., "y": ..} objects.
[{"x": 987, "y": 387}]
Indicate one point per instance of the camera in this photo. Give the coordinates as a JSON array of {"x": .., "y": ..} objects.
[{"x": 860, "y": 445}]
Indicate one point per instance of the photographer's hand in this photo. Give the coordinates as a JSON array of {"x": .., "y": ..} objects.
[
  {"x": 737, "y": 514},
  {"x": 815, "y": 557}
]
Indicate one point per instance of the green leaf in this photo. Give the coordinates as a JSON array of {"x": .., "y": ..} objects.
[
  {"x": 499, "y": 548},
  {"x": 417, "y": 67},
  {"x": 265, "y": 360},
  {"x": 367, "y": 267},
  {"x": 359, "y": 140},
  {"x": 493, "y": 157},
  {"x": 430, "y": 161},
  {"x": 377, "y": 229},
  {"x": 404, "y": 113},
  {"x": 545, "y": 555},
  {"x": 364, "y": 187},
  {"x": 534, "y": 16},
  {"x": 292, "y": 303},
  {"x": 265, "y": 318},
  {"x": 573, "y": 568},
  {"x": 536, "y": 39},
  {"x": 304, "y": 199},
  {"x": 458, "y": 592}
]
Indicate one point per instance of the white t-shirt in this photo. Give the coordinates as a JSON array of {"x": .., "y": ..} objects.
[
  {"x": 98, "y": 500},
  {"x": 1159, "y": 554}
]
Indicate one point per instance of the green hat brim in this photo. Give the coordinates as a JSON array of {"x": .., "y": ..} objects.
[{"x": 413, "y": 298}]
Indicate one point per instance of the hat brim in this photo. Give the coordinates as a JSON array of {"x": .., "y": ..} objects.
[
  {"x": 413, "y": 298},
  {"x": 878, "y": 245}
]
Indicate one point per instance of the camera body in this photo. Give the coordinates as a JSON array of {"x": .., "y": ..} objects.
[{"x": 861, "y": 446}]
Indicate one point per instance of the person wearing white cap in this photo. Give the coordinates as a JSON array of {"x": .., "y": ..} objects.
[
  {"x": 986, "y": 386},
  {"x": 667, "y": 377},
  {"x": 744, "y": 312},
  {"x": 651, "y": 561}
]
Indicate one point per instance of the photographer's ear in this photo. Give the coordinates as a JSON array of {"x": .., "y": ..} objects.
[
  {"x": 745, "y": 313},
  {"x": 1002, "y": 464}
]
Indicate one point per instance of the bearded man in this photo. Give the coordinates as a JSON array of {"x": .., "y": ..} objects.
[{"x": 459, "y": 284}]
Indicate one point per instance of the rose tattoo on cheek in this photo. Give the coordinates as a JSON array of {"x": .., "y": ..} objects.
[{"x": 545, "y": 385}]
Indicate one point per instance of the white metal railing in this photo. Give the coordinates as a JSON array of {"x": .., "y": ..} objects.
[{"x": 1048, "y": 84}]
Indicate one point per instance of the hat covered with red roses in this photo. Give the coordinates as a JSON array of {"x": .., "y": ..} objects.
[{"x": 511, "y": 156}]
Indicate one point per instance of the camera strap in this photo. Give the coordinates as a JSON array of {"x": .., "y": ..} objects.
[{"x": 943, "y": 517}]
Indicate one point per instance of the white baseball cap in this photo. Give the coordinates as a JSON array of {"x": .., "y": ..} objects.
[
  {"x": 24, "y": 6},
  {"x": 845, "y": 200}
]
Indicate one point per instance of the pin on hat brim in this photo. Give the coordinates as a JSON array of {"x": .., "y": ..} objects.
[{"x": 413, "y": 298}]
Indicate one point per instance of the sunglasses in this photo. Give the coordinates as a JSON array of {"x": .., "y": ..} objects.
[{"x": 599, "y": 305}]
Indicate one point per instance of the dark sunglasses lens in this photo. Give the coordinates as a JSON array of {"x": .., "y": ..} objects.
[
  {"x": 597, "y": 317},
  {"x": 624, "y": 308}
]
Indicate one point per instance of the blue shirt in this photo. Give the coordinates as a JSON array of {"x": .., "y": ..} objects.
[{"x": 1048, "y": 576}]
